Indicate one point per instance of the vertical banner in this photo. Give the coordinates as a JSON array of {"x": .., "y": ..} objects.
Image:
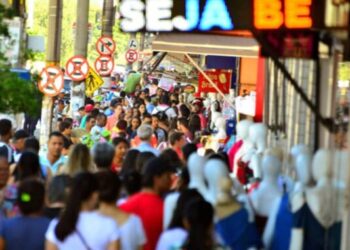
[{"x": 222, "y": 79}]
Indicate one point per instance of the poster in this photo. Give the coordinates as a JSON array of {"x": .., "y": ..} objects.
[{"x": 222, "y": 79}]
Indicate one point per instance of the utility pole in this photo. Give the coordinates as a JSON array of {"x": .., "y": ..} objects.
[
  {"x": 53, "y": 57},
  {"x": 141, "y": 48},
  {"x": 80, "y": 48},
  {"x": 108, "y": 17}
]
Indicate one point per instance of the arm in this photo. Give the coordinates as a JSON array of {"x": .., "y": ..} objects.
[
  {"x": 50, "y": 246},
  {"x": 2, "y": 243},
  {"x": 114, "y": 245}
]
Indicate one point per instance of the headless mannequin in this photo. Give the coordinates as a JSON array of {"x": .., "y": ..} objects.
[
  {"x": 214, "y": 171},
  {"x": 214, "y": 114},
  {"x": 257, "y": 139},
  {"x": 281, "y": 212},
  {"x": 242, "y": 134},
  {"x": 264, "y": 198},
  {"x": 321, "y": 199},
  {"x": 220, "y": 137}
]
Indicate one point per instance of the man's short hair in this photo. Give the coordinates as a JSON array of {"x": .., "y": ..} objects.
[
  {"x": 175, "y": 136},
  {"x": 144, "y": 132},
  {"x": 56, "y": 134},
  {"x": 89, "y": 117},
  {"x": 102, "y": 155},
  {"x": 114, "y": 103},
  {"x": 64, "y": 125},
  {"x": 32, "y": 144},
  {"x": 20, "y": 134},
  {"x": 155, "y": 167},
  {"x": 5, "y": 127}
]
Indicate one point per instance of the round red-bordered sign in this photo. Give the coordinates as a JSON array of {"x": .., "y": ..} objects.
[
  {"x": 52, "y": 81},
  {"x": 104, "y": 65},
  {"x": 105, "y": 46},
  {"x": 77, "y": 68},
  {"x": 131, "y": 56}
]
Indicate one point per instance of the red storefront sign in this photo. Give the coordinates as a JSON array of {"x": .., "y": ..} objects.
[{"x": 221, "y": 78}]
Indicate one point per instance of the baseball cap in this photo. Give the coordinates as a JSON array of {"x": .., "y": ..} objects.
[
  {"x": 89, "y": 108},
  {"x": 20, "y": 134},
  {"x": 156, "y": 167}
]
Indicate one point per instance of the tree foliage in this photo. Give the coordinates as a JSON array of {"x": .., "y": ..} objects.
[
  {"x": 16, "y": 95},
  {"x": 40, "y": 27}
]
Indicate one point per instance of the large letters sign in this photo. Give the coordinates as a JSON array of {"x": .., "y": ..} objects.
[{"x": 224, "y": 15}]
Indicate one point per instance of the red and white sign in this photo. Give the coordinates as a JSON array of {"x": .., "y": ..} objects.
[
  {"x": 52, "y": 81},
  {"x": 131, "y": 56},
  {"x": 221, "y": 78},
  {"x": 104, "y": 65},
  {"x": 77, "y": 68},
  {"x": 105, "y": 46}
]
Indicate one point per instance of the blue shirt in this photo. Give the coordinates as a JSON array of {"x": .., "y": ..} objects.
[
  {"x": 44, "y": 163},
  {"x": 24, "y": 232},
  {"x": 146, "y": 147}
]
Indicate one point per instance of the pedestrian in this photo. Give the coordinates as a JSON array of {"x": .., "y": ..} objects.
[
  {"x": 121, "y": 146},
  {"x": 148, "y": 204},
  {"x": 129, "y": 163},
  {"x": 57, "y": 194},
  {"x": 113, "y": 119},
  {"x": 134, "y": 125},
  {"x": 79, "y": 160},
  {"x": 144, "y": 133},
  {"x": 5, "y": 136},
  {"x": 87, "y": 111},
  {"x": 17, "y": 144},
  {"x": 142, "y": 159},
  {"x": 132, "y": 235},
  {"x": 80, "y": 226},
  {"x": 103, "y": 155},
  {"x": 182, "y": 126},
  {"x": 26, "y": 231},
  {"x": 53, "y": 160},
  {"x": 177, "y": 141},
  {"x": 96, "y": 131},
  {"x": 90, "y": 123}
]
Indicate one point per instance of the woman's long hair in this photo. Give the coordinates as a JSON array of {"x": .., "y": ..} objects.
[
  {"x": 199, "y": 214},
  {"x": 27, "y": 166},
  {"x": 84, "y": 185},
  {"x": 79, "y": 160}
]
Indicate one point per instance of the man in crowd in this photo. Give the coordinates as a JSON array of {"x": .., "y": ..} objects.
[
  {"x": 18, "y": 140},
  {"x": 177, "y": 141},
  {"x": 5, "y": 136},
  {"x": 90, "y": 123},
  {"x": 88, "y": 109},
  {"x": 53, "y": 159},
  {"x": 148, "y": 204},
  {"x": 144, "y": 133}
]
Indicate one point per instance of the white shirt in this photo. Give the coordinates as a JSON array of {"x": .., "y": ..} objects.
[
  {"x": 132, "y": 235},
  {"x": 172, "y": 239},
  {"x": 97, "y": 230},
  {"x": 169, "y": 111}
]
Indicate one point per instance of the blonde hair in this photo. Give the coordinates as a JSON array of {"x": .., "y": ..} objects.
[{"x": 79, "y": 160}]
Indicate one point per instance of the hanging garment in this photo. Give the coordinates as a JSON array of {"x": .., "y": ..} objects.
[
  {"x": 237, "y": 232},
  {"x": 244, "y": 172},
  {"x": 283, "y": 226},
  {"x": 315, "y": 236}
]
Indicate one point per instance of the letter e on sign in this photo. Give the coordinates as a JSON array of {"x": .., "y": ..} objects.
[{"x": 297, "y": 14}]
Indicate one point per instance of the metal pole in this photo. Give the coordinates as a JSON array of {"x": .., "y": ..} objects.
[
  {"x": 142, "y": 47},
  {"x": 107, "y": 29},
  {"x": 80, "y": 48},
  {"x": 53, "y": 56}
]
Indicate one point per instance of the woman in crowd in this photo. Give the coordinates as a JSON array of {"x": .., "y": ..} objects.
[
  {"x": 121, "y": 147},
  {"x": 80, "y": 225},
  {"x": 132, "y": 236},
  {"x": 142, "y": 110},
  {"x": 28, "y": 166},
  {"x": 79, "y": 160},
  {"x": 134, "y": 125},
  {"x": 176, "y": 234},
  {"x": 26, "y": 231},
  {"x": 129, "y": 164}
]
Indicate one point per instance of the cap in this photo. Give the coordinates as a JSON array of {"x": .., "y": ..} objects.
[
  {"x": 20, "y": 134},
  {"x": 157, "y": 166},
  {"x": 89, "y": 108}
]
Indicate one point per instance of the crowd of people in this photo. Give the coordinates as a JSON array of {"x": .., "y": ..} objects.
[{"x": 106, "y": 175}]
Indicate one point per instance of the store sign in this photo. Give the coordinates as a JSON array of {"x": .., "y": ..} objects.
[
  {"x": 221, "y": 78},
  {"x": 224, "y": 15}
]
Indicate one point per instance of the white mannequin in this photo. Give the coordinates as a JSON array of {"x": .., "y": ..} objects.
[
  {"x": 214, "y": 171},
  {"x": 268, "y": 192},
  {"x": 196, "y": 165},
  {"x": 242, "y": 134},
  {"x": 220, "y": 136},
  {"x": 214, "y": 114},
  {"x": 321, "y": 199},
  {"x": 257, "y": 139},
  {"x": 302, "y": 162}
]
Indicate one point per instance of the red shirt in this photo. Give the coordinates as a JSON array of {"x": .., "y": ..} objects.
[{"x": 149, "y": 207}]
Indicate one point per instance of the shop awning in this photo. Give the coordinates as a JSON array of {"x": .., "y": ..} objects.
[{"x": 206, "y": 45}]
